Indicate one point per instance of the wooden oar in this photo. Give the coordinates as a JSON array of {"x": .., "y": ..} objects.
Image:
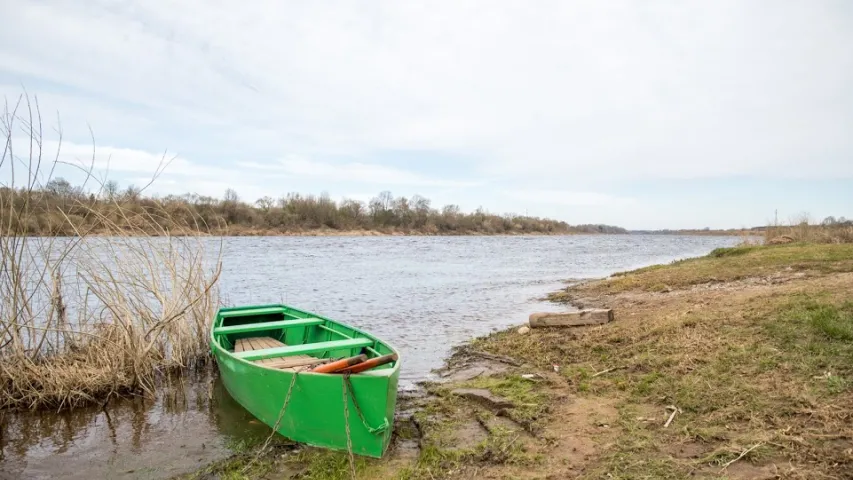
[
  {"x": 340, "y": 364},
  {"x": 368, "y": 364}
]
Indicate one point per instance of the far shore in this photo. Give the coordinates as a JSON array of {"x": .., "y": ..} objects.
[{"x": 396, "y": 233}]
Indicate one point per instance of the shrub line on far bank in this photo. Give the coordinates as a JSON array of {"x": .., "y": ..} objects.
[{"x": 292, "y": 213}]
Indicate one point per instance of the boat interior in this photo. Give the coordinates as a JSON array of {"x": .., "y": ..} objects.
[{"x": 284, "y": 338}]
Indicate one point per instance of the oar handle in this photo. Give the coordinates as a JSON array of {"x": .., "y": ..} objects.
[
  {"x": 340, "y": 364},
  {"x": 368, "y": 364}
]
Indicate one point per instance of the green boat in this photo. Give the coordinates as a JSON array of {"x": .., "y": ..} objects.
[{"x": 265, "y": 355}]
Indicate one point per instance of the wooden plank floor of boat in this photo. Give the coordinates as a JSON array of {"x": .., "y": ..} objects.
[{"x": 290, "y": 364}]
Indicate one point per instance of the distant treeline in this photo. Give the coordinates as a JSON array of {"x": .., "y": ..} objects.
[
  {"x": 60, "y": 208},
  {"x": 702, "y": 231},
  {"x": 802, "y": 229},
  {"x": 828, "y": 222}
]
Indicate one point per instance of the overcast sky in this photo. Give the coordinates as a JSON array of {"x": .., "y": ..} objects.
[{"x": 644, "y": 114}]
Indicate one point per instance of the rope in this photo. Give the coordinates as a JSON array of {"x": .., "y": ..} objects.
[{"x": 345, "y": 381}]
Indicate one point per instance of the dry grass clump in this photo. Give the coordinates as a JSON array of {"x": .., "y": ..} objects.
[
  {"x": 86, "y": 316},
  {"x": 830, "y": 230}
]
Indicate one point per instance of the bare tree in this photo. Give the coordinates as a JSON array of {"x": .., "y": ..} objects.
[
  {"x": 265, "y": 203},
  {"x": 110, "y": 190},
  {"x": 231, "y": 196}
]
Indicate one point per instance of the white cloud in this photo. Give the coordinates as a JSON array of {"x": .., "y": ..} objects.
[
  {"x": 105, "y": 159},
  {"x": 553, "y": 95},
  {"x": 174, "y": 173},
  {"x": 570, "y": 198},
  {"x": 170, "y": 173},
  {"x": 353, "y": 172}
]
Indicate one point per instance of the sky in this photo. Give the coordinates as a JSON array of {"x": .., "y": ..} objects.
[{"x": 654, "y": 114}]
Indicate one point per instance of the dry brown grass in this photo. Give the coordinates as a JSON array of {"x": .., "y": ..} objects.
[
  {"x": 83, "y": 317},
  {"x": 755, "y": 262},
  {"x": 806, "y": 232},
  {"x": 764, "y": 364}
]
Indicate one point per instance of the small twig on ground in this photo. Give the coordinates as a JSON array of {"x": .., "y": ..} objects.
[
  {"x": 497, "y": 358},
  {"x": 831, "y": 436},
  {"x": 671, "y": 416},
  {"x": 742, "y": 454},
  {"x": 607, "y": 371}
]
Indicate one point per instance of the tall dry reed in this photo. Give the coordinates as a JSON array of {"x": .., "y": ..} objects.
[
  {"x": 804, "y": 230},
  {"x": 86, "y": 316}
]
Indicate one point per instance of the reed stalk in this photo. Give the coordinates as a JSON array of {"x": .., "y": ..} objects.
[
  {"x": 803, "y": 230},
  {"x": 86, "y": 316}
]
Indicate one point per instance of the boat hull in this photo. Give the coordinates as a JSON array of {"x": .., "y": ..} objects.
[{"x": 316, "y": 413}]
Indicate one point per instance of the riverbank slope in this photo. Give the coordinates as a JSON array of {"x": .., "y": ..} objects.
[{"x": 734, "y": 365}]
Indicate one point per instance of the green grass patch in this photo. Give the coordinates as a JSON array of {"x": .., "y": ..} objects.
[
  {"x": 321, "y": 464},
  {"x": 243, "y": 466},
  {"x": 817, "y": 336},
  {"x": 835, "y": 324},
  {"x": 432, "y": 463},
  {"x": 504, "y": 446},
  {"x": 734, "y": 251}
]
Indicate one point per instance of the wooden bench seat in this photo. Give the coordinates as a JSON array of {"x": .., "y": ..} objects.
[
  {"x": 292, "y": 363},
  {"x": 244, "y": 312},
  {"x": 304, "y": 349},
  {"x": 256, "y": 327}
]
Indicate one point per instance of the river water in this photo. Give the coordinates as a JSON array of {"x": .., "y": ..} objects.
[{"x": 422, "y": 294}]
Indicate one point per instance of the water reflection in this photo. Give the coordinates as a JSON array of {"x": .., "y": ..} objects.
[{"x": 189, "y": 424}]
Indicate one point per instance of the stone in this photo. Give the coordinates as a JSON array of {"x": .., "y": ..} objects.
[
  {"x": 533, "y": 377},
  {"x": 524, "y": 330},
  {"x": 483, "y": 397},
  {"x": 571, "y": 319}
]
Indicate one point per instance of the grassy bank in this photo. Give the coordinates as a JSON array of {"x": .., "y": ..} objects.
[{"x": 740, "y": 366}]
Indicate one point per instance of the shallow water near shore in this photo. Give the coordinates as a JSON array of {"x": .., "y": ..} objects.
[{"x": 422, "y": 294}]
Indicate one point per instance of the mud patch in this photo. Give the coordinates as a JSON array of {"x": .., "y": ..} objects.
[
  {"x": 404, "y": 451},
  {"x": 468, "y": 435},
  {"x": 471, "y": 369},
  {"x": 686, "y": 450},
  {"x": 484, "y": 398},
  {"x": 497, "y": 424},
  {"x": 748, "y": 471},
  {"x": 582, "y": 430}
]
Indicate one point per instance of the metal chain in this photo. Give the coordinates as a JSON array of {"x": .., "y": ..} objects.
[
  {"x": 345, "y": 380},
  {"x": 277, "y": 423},
  {"x": 370, "y": 429},
  {"x": 281, "y": 412}
]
